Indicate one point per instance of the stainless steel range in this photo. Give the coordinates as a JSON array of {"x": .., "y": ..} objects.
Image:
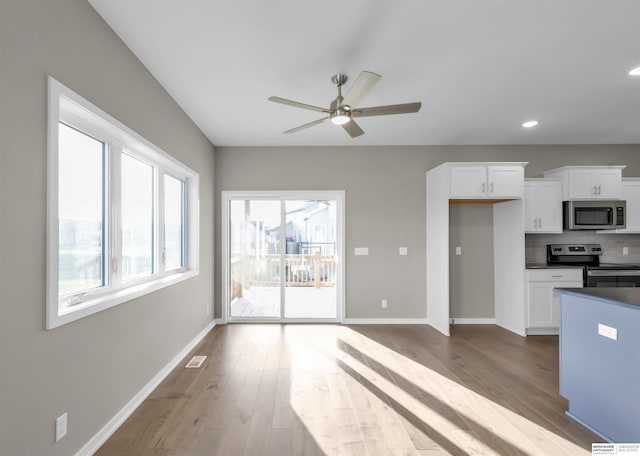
[{"x": 595, "y": 274}]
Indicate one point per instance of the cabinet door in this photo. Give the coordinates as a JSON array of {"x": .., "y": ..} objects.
[
  {"x": 549, "y": 206},
  {"x": 468, "y": 181},
  {"x": 609, "y": 182},
  {"x": 582, "y": 184},
  {"x": 505, "y": 181},
  {"x": 541, "y": 305},
  {"x": 631, "y": 193},
  {"x": 530, "y": 211},
  {"x": 555, "y": 300}
]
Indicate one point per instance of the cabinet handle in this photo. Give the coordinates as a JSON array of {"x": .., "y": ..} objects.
[
  {"x": 599, "y": 189},
  {"x": 491, "y": 190},
  {"x": 483, "y": 186},
  {"x": 540, "y": 223},
  {"x": 557, "y": 276},
  {"x": 595, "y": 190}
]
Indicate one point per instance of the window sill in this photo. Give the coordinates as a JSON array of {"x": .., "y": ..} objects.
[{"x": 91, "y": 306}]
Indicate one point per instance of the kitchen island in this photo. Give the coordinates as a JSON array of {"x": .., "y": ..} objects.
[{"x": 600, "y": 359}]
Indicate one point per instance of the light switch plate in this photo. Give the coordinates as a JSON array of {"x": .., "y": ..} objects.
[
  {"x": 402, "y": 251},
  {"x": 361, "y": 251},
  {"x": 607, "y": 331},
  {"x": 61, "y": 426},
  {"x": 458, "y": 250}
]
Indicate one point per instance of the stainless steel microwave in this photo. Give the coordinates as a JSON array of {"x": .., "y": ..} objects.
[{"x": 594, "y": 215}]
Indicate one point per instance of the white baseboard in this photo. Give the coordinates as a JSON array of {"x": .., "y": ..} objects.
[
  {"x": 116, "y": 421},
  {"x": 386, "y": 321},
  {"x": 219, "y": 321},
  {"x": 474, "y": 321},
  {"x": 543, "y": 331}
]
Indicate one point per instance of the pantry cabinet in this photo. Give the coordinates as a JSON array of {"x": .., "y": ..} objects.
[
  {"x": 500, "y": 184},
  {"x": 542, "y": 206}
]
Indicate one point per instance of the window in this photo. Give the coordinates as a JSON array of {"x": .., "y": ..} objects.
[
  {"x": 138, "y": 213},
  {"x": 122, "y": 215},
  {"x": 81, "y": 221}
]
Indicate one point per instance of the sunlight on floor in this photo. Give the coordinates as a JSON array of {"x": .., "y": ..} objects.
[{"x": 405, "y": 397}]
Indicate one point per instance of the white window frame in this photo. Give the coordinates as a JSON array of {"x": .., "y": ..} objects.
[{"x": 64, "y": 105}]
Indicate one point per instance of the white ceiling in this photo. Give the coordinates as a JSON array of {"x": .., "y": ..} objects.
[{"x": 479, "y": 67}]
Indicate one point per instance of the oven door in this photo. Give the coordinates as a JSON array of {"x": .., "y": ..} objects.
[{"x": 613, "y": 278}]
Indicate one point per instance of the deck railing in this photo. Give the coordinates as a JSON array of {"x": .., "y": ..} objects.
[{"x": 314, "y": 270}]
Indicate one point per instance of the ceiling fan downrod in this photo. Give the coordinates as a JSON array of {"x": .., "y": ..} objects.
[{"x": 340, "y": 114}]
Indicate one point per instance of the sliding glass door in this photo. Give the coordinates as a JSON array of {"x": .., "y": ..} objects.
[{"x": 283, "y": 256}]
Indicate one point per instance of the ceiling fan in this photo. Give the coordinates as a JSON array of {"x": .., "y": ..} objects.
[{"x": 343, "y": 110}]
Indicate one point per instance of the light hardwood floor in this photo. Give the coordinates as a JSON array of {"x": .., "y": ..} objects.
[{"x": 358, "y": 390}]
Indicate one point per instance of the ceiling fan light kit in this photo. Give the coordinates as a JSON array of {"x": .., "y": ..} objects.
[
  {"x": 340, "y": 117},
  {"x": 342, "y": 109}
]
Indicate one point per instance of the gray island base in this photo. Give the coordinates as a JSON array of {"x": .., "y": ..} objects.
[{"x": 600, "y": 359}]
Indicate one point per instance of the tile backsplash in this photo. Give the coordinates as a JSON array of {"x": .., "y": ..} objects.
[{"x": 612, "y": 244}]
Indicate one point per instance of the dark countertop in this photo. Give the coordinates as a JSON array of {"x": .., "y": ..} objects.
[
  {"x": 551, "y": 266},
  {"x": 624, "y": 296}
]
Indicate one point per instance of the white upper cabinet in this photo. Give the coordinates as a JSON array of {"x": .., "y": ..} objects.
[
  {"x": 478, "y": 181},
  {"x": 542, "y": 206},
  {"x": 469, "y": 181},
  {"x": 630, "y": 193},
  {"x": 589, "y": 182}
]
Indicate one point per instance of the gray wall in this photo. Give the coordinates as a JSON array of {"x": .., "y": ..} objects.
[
  {"x": 92, "y": 367},
  {"x": 471, "y": 273},
  {"x": 385, "y": 203}
]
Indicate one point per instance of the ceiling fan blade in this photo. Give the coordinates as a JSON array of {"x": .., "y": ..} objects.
[
  {"x": 307, "y": 125},
  {"x": 353, "y": 129},
  {"x": 361, "y": 87},
  {"x": 297, "y": 104},
  {"x": 386, "y": 110}
]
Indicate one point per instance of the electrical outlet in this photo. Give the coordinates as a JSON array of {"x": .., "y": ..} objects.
[
  {"x": 61, "y": 426},
  {"x": 458, "y": 250},
  {"x": 625, "y": 250},
  {"x": 384, "y": 303}
]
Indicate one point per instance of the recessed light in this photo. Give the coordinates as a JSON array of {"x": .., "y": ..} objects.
[
  {"x": 635, "y": 71},
  {"x": 530, "y": 124}
]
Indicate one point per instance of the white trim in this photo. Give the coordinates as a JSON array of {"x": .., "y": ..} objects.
[
  {"x": 224, "y": 272},
  {"x": 543, "y": 331},
  {"x": 283, "y": 195},
  {"x": 116, "y": 421},
  {"x": 473, "y": 321},
  {"x": 386, "y": 321}
]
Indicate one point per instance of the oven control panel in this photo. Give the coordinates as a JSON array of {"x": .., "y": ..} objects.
[{"x": 575, "y": 249}]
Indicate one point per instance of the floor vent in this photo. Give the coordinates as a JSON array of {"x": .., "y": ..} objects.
[{"x": 195, "y": 362}]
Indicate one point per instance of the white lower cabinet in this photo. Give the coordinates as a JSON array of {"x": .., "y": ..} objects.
[{"x": 542, "y": 303}]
